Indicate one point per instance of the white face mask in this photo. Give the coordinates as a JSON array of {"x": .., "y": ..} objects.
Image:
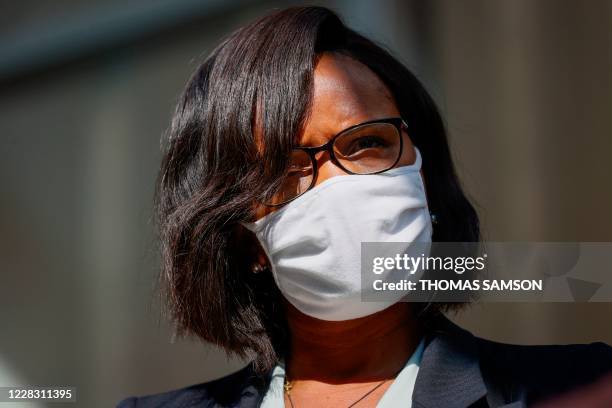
[{"x": 314, "y": 242}]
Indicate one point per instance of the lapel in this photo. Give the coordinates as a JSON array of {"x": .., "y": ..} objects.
[
  {"x": 250, "y": 397},
  {"x": 243, "y": 389},
  {"x": 251, "y": 391},
  {"x": 449, "y": 375}
]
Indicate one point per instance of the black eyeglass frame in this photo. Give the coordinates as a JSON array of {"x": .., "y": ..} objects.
[{"x": 399, "y": 123}]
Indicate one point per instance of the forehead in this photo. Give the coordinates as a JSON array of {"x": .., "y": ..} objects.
[{"x": 346, "y": 92}]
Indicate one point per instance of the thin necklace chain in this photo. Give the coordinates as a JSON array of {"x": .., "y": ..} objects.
[{"x": 288, "y": 385}]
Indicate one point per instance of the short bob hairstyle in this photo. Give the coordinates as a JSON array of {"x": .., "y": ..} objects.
[{"x": 214, "y": 170}]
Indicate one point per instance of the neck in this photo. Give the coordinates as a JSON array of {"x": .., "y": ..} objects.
[{"x": 370, "y": 348}]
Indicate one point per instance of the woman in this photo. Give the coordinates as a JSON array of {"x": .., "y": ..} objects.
[{"x": 294, "y": 141}]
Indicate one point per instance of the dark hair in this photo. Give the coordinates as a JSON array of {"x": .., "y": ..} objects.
[{"x": 213, "y": 171}]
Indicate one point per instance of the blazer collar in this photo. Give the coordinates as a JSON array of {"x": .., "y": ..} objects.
[{"x": 449, "y": 374}]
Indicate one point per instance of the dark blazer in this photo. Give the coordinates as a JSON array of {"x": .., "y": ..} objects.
[{"x": 457, "y": 370}]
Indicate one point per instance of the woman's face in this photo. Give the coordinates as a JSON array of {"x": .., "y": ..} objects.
[{"x": 346, "y": 93}]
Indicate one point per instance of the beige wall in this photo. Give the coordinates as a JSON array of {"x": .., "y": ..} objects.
[{"x": 526, "y": 87}]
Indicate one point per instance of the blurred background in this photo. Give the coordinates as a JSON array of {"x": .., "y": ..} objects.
[{"x": 87, "y": 88}]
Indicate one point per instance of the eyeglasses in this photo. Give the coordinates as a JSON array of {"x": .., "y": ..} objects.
[{"x": 367, "y": 148}]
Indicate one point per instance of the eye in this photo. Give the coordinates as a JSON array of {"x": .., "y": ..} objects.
[{"x": 366, "y": 142}]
